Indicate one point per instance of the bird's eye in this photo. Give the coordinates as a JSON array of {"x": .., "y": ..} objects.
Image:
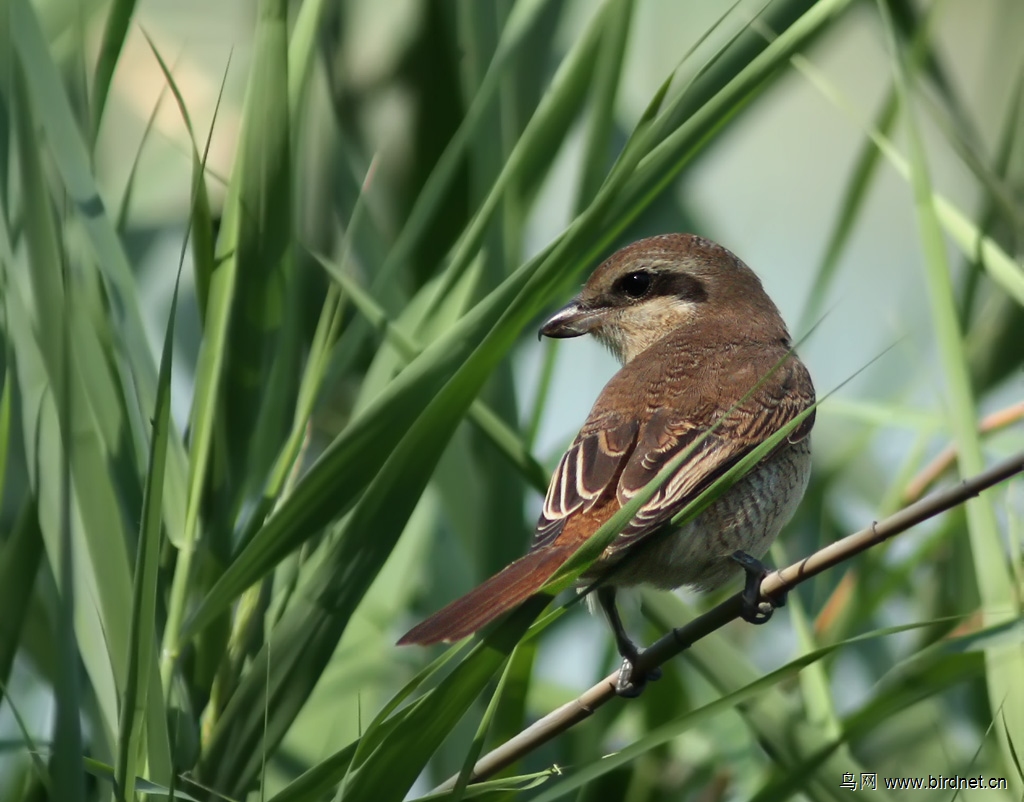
[{"x": 634, "y": 285}]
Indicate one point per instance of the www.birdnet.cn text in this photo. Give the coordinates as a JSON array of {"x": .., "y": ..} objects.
[{"x": 870, "y": 781}]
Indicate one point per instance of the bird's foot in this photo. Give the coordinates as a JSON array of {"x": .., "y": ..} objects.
[
  {"x": 755, "y": 610},
  {"x": 628, "y": 685}
]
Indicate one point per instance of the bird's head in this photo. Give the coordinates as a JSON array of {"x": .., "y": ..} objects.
[{"x": 670, "y": 284}]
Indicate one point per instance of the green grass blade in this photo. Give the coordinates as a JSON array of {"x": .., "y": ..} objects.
[
  {"x": 262, "y": 337},
  {"x": 100, "y": 569},
  {"x": 5, "y": 422},
  {"x": 523, "y": 17},
  {"x": 393, "y": 752},
  {"x": 219, "y": 293},
  {"x": 500, "y": 491},
  {"x": 143, "y": 637},
  {"x": 355, "y": 456},
  {"x": 497, "y": 430},
  {"x": 302, "y": 53},
  {"x": 608, "y": 72},
  {"x": 313, "y": 377},
  {"x": 68, "y": 743},
  {"x": 144, "y": 787},
  {"x": 854, "y": 197},
  {"x": 992, "y": 335},
  {"x": 129, "y": 188},
  {"x": 1005, "y": 666},
  {"x": 718, "y": 93},
  {"x": 486, "y": 722},
  {"x": 20, "y": 558},
  {"x": 114, "y": 32},
  {"x": 201, "y": 220},
  {"x": 35, "y": 753},
  {"x": 328, "y": 773},
  {"x": 136, "y": 367},
  {"x": 972, "y": 242}
]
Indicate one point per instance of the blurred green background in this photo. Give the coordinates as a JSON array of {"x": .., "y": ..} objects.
[{"x": 211, "y": 535}]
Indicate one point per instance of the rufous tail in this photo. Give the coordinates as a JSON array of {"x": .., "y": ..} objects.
[{"x": 499, "y": 594}]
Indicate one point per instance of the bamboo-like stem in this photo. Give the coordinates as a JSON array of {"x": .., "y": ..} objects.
[
  {"x": 773, "y": 585},
  {"x": 945, "y": 459}
]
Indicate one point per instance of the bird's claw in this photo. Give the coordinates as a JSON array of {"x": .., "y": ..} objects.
[
  {"x": 755, "y": 610},
  {"x": 629, "y": 686}
]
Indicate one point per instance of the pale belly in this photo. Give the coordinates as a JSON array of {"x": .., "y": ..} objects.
[{"x": 747, "y": 518}]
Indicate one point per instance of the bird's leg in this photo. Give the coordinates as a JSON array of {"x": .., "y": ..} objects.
[
  {"x": 755, "y": 610},
  {"x": 627, "y": 685}
]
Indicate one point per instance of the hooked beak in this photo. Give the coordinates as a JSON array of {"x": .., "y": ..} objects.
[{"x": 571, "y": 320}]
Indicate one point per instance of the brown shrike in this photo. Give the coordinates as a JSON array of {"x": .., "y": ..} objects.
[{"x": 707, "y": 365}]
